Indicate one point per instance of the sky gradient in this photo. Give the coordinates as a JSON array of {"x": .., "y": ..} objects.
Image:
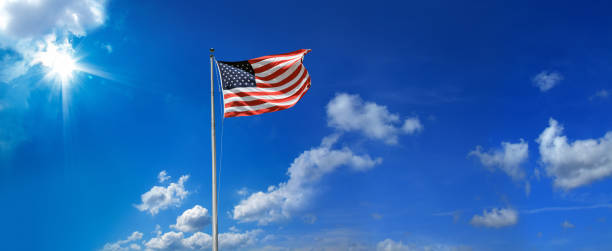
[{"x": 430, "y": 125}]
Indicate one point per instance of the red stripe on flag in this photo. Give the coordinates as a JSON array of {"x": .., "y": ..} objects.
[
  {"x": 284, "y": 81},
  {"x": 277, "y": 72},
  {"x": 271, "y": 65},
  {"x": 260, "y": 111},
  {"x": 263, "y": 101}
]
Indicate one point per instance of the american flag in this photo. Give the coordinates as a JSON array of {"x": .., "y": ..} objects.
[{"x": 264, "y": 84}]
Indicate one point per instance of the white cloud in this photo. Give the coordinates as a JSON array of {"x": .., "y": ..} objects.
[
  {"x": 192, "y": 220},
  {"x": 508, "y": 159},
  {"x": 160, "y": 198},
  {"x": 309, "y": 218},
  {"x": 496, "y": 218},
  {"x": 122, "y": 245},
  {"x": 412, "y": 125},
  {"x": 391, "y": 245},
  {"x": 566, "y": 224},
  {"x": 176, "y": 241},
  {"x": 163, "y": 176},
  {"x": 555, "y": 209},
  {"x": 350, "y": 113},
  {"x": 279, "y": 202},
  {"x": 602, "y": 94},
  {"x": 109, "y": 48},
  {"x": 242, "y": 191},
  {"x": 547, "y": 80},
  {"x": 32, "y": 19},
  {"x": 574, "y": 164}
]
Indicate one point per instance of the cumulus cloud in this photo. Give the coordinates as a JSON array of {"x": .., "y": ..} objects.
[
  {"x": 577, "y": 163},
  {"x": 412, "y": 125},
  {"x": 176, "y": 241},
  {"x": 160, "y": 198},
  {"x": 192, "y": 220},
  {"x": 496, "y": 218},
  {"x": 163, "y": 176},
  {"x": 547, "y": 80},
  {"x": 350, "y": 113},
  {"x": 566, "y": 225},
  {"x": 508, "y": 159},
  {"x": 279, "y": 202},
  {"x": 125, "y": 245}
]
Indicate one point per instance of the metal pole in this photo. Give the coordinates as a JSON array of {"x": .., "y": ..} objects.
[{"x": 215, "y": 227}]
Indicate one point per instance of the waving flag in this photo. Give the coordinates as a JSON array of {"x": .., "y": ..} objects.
[{"x": 263, "y": 84}]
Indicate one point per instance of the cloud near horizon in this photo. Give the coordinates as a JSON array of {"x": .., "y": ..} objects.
[
  {"x": 391, "y": 245},
  {"x": 125, "y": 245},
  {"x": 176, "y": 241}
]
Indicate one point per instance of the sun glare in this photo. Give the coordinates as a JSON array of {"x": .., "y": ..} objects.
[
  {"x": 62, "y": 66},
  {"x": 58, "y": 59}
]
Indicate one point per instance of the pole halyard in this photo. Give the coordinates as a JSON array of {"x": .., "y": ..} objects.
[{"x": 215, "y": 227}]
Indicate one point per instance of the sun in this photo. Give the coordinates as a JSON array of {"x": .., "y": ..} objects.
[
  {"x": 59, "y": 61},
  {"x": 62, "y": 67}
]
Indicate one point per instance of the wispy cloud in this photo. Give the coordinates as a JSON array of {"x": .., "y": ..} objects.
[
  {"x": 508, "y": 159},
  {"x": 569, "y": 208},
  {"x": 567, "y": 225},
  {"x": 281, "y": 201},
  {"x": 131, "y": 243},
  {"x": 601, "y": 94},
  {"x": 392, "y": 245},
  {"x": 547, "y": 80}
]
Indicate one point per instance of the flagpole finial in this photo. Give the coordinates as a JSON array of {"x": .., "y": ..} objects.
[{"x": 212, "y": 50}]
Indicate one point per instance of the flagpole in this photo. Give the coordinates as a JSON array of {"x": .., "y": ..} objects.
[{"x": 215, "y": 227}]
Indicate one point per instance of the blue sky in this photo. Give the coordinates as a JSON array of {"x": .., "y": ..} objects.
[{"x": 429, "y": 126}]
